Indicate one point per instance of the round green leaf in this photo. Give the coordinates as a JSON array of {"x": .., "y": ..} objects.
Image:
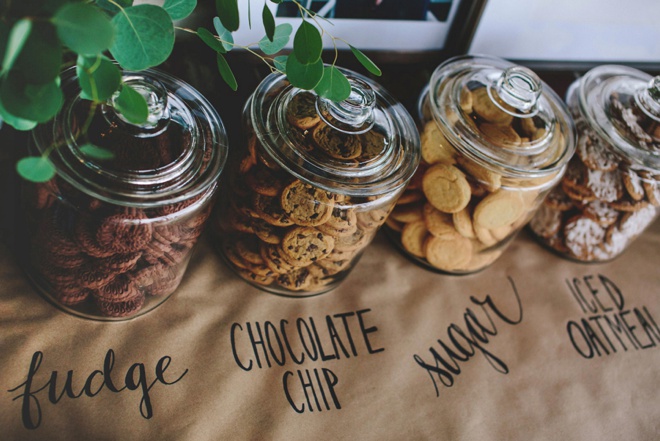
[
  {"x": 307, "y": 43},
  {"x": 280, "y": 39},
  {"x": 365, "y": 61},
  {"x": 304, "y": 76},
  {"x": 226, "y": 73},
  {"x": 41, "y": 58},
  {"x": 111, "y": 7},
  {"x": 35, "y": 169},
  {"x": 34, "y": 102},
  {"x": 131, "y": 105},
  {"x": 144, "y": 37},
  {"x": 179, "y": 9},
  {"x": 269, "y": 22},
  {"x": 17, "y": 38},
  {"x": 333, "y": 85},
  {"x": 225, "y": 36},
  {"x": 99, "y": 78},
  {"x": 96, "y": 152},
  {"x": 228, "y": 13},
  {"x": 207, "y": 37},
  {"x": 17, "y": 123},
  {"x": 83, "y": 28},
  {"x": 280, "y": 63}
]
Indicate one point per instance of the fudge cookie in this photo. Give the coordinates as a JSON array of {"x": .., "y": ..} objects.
[
  {"x": 125, "y": 232},
  {"x": 306, "y": 205},
  {"x": 446, "y": 188},
  {"x": 302, "y": 246}
]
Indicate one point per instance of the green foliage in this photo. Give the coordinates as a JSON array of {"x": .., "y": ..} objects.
[
  {"x": 333, "y": 85},
  {"x": 210, "y": 40},
  {"x": 35, "y": 169},
  {"x": 223, "y": 34},
  {"x": 96, "y": 152},
  {"x": 99, "y": 77},
  {"x": 145, "y": 37},
  {"x": 179, "y": 9},
  {"x": 226, "y": 73},
  {"x": 15, "y": 42},
  {"x": 228, "y": 13},
  {"x": 131, "y": 105},
  {"x": 307, "y": 43},
  {"x": 281, "y": 37},
  {"x": 33, "y": 102},
  {"x": 365, "y": 61},
  {"x": 35, "y": 36},
  {"x": 83, "y": 28},
  {"x": 269, "y": 22},
  {"x": 304, "y": 76}
]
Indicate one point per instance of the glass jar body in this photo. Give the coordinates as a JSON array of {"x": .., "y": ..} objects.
[
  {"x": 605, "y": 200},
  {"x": 461, "y": 211},
  {"x": 106, "y": 261},
  {"x": 286, "y": 234}
]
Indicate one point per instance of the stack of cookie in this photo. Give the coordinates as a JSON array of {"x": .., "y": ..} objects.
[
  {"x": 102, "y": 260},
  {"x": 458, "y": 213},
  {"x": 289, "y": 235},
  {"x": 604, "y": 201}
]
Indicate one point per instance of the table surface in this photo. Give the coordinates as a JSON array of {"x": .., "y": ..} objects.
[{"x": 534, "y": 347}]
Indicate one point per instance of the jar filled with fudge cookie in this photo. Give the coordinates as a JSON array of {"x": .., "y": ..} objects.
[
  {"x": 611, "y": 191},
  {"x": 315, "y": 180},
  {"x": 110, "y": 236},
  {"x": 495, "y": 140}
]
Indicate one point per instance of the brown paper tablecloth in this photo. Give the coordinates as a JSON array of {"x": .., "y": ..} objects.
[{"x": 545, "y": 367}]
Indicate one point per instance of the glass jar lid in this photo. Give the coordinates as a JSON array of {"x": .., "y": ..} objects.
[
  {"x": 175, "y": 155},
  {"x": 502, "y": 116},
  {"x": 622, "y": 105},
  {"x": 365, "y": 145}
]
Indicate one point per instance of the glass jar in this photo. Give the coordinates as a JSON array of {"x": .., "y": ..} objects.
[
  {"x": 494, "y": 139},
  {"x": 313, "y": 183},
  {"x": 611, "y": 191},
  {"x": 110, "y": 236}
]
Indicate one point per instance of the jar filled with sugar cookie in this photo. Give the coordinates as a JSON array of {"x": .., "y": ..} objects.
[
  {"x": 314, "y": 182},
  {"x": 611, "y": 191},
  {"x": 109, "y": 237},
  {"x": 495, "y": 139}
]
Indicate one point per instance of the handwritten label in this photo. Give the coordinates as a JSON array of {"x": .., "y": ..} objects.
[
  {"x": 136, "y": 378},
  {"x": 465, "y": 342},
  {"x": 264, "y": 345},
  {"x": 608, "y": 326}
]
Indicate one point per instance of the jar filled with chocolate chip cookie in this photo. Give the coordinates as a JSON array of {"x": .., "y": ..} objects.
[
  {"x": 611, "y": 191},
  {"x": 495, "y": 140},
  {"x": 315, "y": 180},
  {"x": 110, "y": 236}
]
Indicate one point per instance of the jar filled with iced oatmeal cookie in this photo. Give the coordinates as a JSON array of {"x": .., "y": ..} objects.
[
  {"x": 110, "y": 236},
  {"x": 315, "y": 180},
  {"x": 495, "y": 140},
  {"x": 611, "y": 191}
]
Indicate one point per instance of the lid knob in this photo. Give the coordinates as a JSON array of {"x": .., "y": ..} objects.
[
  {"x": 355, "y": 114},
  {"x": 648, "y": 99},
  {"x": 519, "y": 87},
  {"x": 155, "y": 94}
]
